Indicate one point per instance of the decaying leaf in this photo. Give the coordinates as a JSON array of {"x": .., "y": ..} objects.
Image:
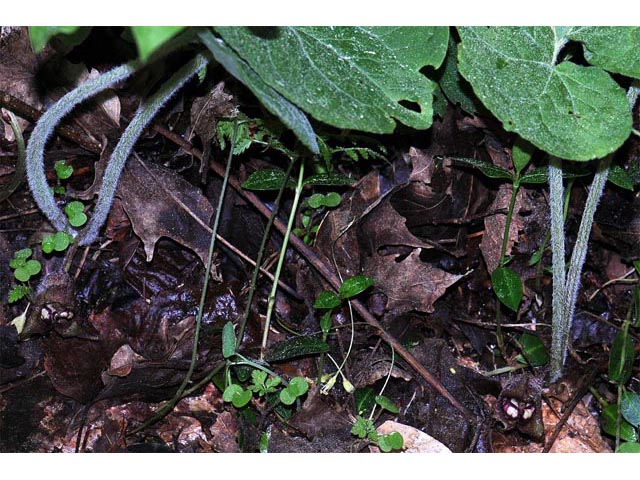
[
  {"x": 423, "y": 165},
  {"x": 160, "y": 203},
  {"x": 409, "y": 283},
  {"x": 206, "y": 110}
]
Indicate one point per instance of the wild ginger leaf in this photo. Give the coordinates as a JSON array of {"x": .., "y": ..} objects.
[
  {"x": 348, "y": 77},
  {"x": 569, "y": 110}
]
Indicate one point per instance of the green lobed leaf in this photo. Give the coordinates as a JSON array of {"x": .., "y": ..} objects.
[
  {"x": 621, "y": 358},
  {"x": 568, "y": 110},
  {"x": 534, "y": 348},
  {"x": 296, "y": 347},
  {"x": 275, "y": 103},
  {"x": 616, "y": 49},
  {"x": 329, "y": 179},
  {"x": 355, "y": 285},
  {"x": 608, "y": 420},
  {"x": 489, "y": 169},
  {"x": 629, "y": 447},
  {"x": 20, "y": 258},
  {"x": 507, "y": 287},
  {"x": 387, "y": 404},
  {"x": 41, "y": 35},
  {"x": 619, "y": 176},
  {"x": 268, "y": 179},
  {"x": 228, "y": 340},
  {"x": 348, "y": 77},
  {"x": 327, "y": 300},
  {"x": 150, "y": 38},
  {"x": 630, "y": 408},
  {"x": 17, "y": 292}
]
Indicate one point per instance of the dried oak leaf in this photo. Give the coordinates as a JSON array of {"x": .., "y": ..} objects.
[
  {"x": 409, "y": 283},
  {"x": 206, "y": 110},
  {"x": 160, "y": 203}
]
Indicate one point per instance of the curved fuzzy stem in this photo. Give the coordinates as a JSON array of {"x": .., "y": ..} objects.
[
  {"x": 45, "y": 127},
  {"x": 558, "y": 342},
  {"x": 130, "y": 136}
]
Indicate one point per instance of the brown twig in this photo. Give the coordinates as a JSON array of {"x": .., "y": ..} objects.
[{"x": 325, "y": 272}]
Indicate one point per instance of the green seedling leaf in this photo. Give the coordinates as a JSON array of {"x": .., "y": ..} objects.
[
  {"x": 486, "y": 168},
  {"x": 389, "y": 442},
  {"x": 332, "y": 199},
  {"x": 636, "y": 305},
  {"x": 270, "y": 179},
  {"x": 63, "y": 171},
  {"x": 33, "y": 267},
  {"x": 149, "y": 39},
  {"x": 75, "y": 212},
  {"x": 316, "y": 200},
  {"x": 297, "y": 387},
  {"x": 235, "y": 394},
  {"x": 297, "y": 347},
  {"x": 325, "y": 324},
  {"x": 629, "y": 447},
  {"x": 636, "y": 265},
  {"x": 58, "y": 242},
  {"x": 609, "y": 417},
  {"x": 18, "y": 292},
  {"x": 537, "y": 176},
  {"x": 613, "y": 48},
  {"x": 621, "y": 358},
  {"x": 619, "y": 176},
  {"x": 534, "y": 348},
  {"x": 535, "y": 258},
  {"x": 568, "y": 110},
  {"x": 355, "y": 286},
  {"x": 40, "y": 36},
  {"x": 365, "y": 399},
  {"x": 59, "y": 190},
  {"x": 20, "y": 258},
  {"x": 376, "y": 68},
  {"x": 228, "y": 340},
  {"x": 264, "y": 442},
  {"x": 521, "y": 154},
  {"x": 275, "y": 103},
  {"x": 630, "y": 408},
  {"x": 507, "y": 287},
  {"x": 363, "y": 427},
  {"x": 454, "y": 86},
  {"x": 327, "y": 300},
  {"x": 387, "y": 404},
  {"x": 329, "y": 180}
]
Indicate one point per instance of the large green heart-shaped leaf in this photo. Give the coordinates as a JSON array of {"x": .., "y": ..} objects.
[
  {"x": 616, "y": 49},
  {"x": 348, "y": 77},
  {"x": 571, "y": 111}
]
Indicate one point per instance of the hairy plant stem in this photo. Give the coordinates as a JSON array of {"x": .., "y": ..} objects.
[
  {"x": 285, "y": 243},
  {"x": 123, "y": 149},
  {"x": 263, "y": 246},
  {"x": 45, "y": 127},
  {"x": 565, "y": 287}
]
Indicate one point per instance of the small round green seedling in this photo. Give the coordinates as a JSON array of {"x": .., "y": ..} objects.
[
  {"x": 235, "y": 394},
  {"x": 75, "y": 213},
  {"x": 24, "y": 268},
  {"x": 58, "y": 242},
  {"x": 297, "y": 387},
  {"x": 391, "y": 441},
  {"x": 63, "y": 171}
]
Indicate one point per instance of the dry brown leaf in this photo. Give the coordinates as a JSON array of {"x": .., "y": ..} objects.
[
  {"x": 408, "y": 283},
  {"x": 206, "y": 110},
  {"x": 423, "y": 165},
  {"x": 160, "y": 203}
]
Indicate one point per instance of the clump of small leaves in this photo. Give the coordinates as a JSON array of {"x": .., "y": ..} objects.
[
  {"x": 364, "y": 428},
  {"x": 57, "y": 242},
  {"x": 75, "y": 213},
  {"x": 24, "y": 267}
]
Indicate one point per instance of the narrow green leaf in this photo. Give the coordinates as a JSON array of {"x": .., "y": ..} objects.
[
  {"x": 275, "y": 103},
  {"x": 630, "y": 408},
  {"x": 621, "y": 358},
  {"x": 149, "y": 39},
  {"x": 364, "y": 399},
  {"x": 619, "y": 176},
  {"x": 507, "y": 287},
  {"x": 297, "y": 347},
  {"x": 355, "y": 285},
  {"x": 486, "y": 168},
  {"x": 534, "y": 348},
  {"x": 609, "y": 417},
  {"x": 521, "y": 154},
  {"x": 535, "y": 258},
  {"x": 329, "y": 179},
  {"x": 537, "y": 176},
  {"x": 327, "y": 300},
  {"x": 269, "y": 179},
  {"x": 228, "y": 340},
  {"x": 387, "y": 404},
  {"x": 326, "y": 323}
]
